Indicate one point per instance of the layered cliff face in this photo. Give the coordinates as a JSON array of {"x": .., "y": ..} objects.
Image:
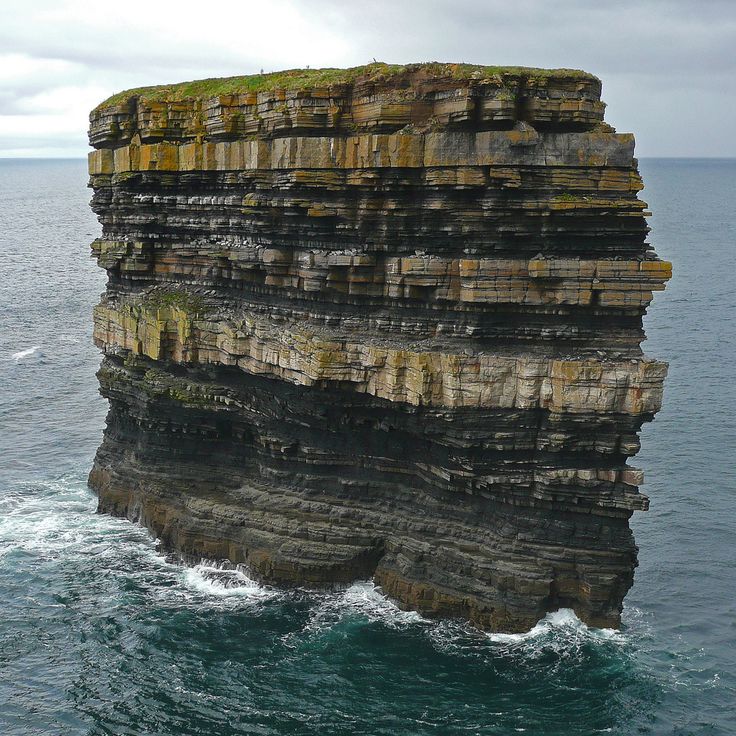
[{"x": 382, "y": 322}]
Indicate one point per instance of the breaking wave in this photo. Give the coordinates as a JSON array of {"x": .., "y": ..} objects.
[
  {"x": 221, "y": 580},
  {"x": 361, "y": 601},
  {"x": 561, "y": 623},
  {"x": 110, "y": 568},
  {"x": 27, "y": 353},
  {"x": 57, "y": 520}
]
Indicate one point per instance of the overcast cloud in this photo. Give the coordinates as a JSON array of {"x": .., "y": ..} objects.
[{"x": 668, "y": 66}]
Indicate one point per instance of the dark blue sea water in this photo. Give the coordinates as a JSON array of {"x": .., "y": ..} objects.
[{"x": 99, "y": 634}]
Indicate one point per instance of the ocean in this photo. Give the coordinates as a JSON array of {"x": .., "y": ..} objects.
[{"x": 101, "y": 634}]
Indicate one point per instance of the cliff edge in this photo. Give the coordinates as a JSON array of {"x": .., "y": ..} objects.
[{"x": 380, "y": 322}]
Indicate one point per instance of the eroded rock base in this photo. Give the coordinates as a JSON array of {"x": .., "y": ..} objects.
[{"x": 453, "y": 513}]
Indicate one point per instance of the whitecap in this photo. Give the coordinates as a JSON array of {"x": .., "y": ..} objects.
[
  {"x": 363, "y": 600},
  {"x": 366, "y": 598},
  {"x": 55, "y": 518},
  {"x": 223, "y": 580},
  {"x": 21, "y": 354},
  {"x": 562, "y": 622}
]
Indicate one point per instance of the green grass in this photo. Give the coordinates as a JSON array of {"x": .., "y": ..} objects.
[
  {"x": 300, "y": 79},
  {"x": 180, "y": 299}
]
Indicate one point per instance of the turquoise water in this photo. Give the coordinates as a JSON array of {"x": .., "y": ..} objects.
[{"x": 100, "y": 634}]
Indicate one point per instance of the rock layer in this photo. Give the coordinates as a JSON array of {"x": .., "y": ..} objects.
[{"x": 381, "y": 322}]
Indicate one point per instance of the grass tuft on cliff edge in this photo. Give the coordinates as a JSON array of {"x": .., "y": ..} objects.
[{"x": 300, "y": 79}]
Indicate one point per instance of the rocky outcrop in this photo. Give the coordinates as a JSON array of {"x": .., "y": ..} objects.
[{"x": 380, "y": 322}]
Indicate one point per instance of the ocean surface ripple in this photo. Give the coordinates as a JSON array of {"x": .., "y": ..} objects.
[{"x": 101, "y": 633}]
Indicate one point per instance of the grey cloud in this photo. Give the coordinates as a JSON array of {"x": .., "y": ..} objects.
[
  {"x": 21, "y": 97},
  {"x": 666, "y": 65},
  {"x": 56, "y": 144},
  {"x": 142, "y": 56},
  {"x": 671, "y": 38}
]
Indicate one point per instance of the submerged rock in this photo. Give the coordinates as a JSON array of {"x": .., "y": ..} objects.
[{"x": 380, "y": 322}]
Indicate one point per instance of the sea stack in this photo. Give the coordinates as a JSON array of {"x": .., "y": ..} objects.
[{"x": 380, "y": 323}]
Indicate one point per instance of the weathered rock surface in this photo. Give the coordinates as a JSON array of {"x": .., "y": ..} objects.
[{"x": 381, "y": 322}]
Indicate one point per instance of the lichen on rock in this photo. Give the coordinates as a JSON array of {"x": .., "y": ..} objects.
[{"x": 382, "y": 323}]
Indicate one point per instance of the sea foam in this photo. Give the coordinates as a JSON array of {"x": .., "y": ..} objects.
[{"x": 221, "y": 580}]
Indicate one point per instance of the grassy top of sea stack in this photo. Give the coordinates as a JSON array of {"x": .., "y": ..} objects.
[{"x": 302, "y": 79}]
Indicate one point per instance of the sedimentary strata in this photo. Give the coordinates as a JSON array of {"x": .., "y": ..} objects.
[{"x": 382, "y": 322}]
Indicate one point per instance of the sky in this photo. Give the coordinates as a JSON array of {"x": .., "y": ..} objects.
[{"x": 668, "y": 66}]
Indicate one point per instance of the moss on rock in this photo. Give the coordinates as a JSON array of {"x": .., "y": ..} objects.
[{"x": 301, "y": 79}]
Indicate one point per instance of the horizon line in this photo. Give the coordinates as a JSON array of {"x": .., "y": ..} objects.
[{"x": 84, "y": 158}]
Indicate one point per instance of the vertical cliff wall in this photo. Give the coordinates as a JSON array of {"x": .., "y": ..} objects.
[{"x": 381, "y": 322}]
